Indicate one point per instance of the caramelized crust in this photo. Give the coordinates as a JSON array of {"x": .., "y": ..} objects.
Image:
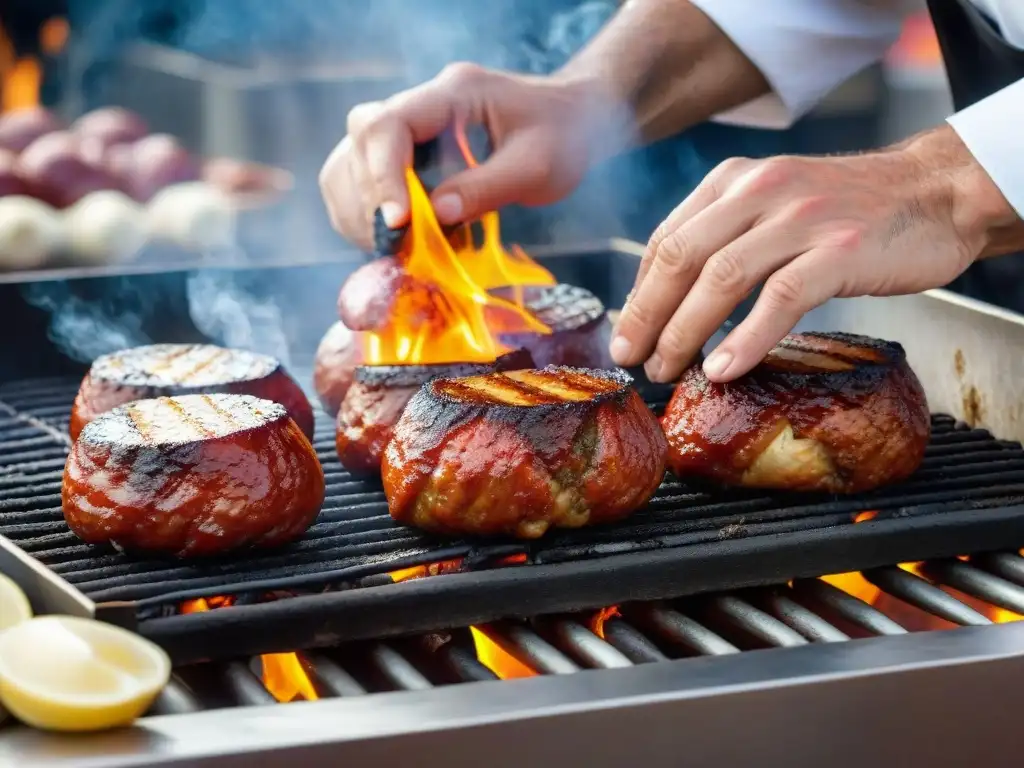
[
  {"x": 823, "y": 412},
  {"x": 519, "y": 453},
  {"x": 167, "y": 370},
  {"x": 192, "y": 476},
  {"x": 337, "y": 357},
  {"x": 580, "y": 328},
  {"x": 378, "y": 396}
]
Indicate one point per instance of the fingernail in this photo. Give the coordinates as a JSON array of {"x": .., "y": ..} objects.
[
  {"x": 718, "y": 363},
  {"x": 653, "y": 367},
  {"x": 620, "y": 349},
  {"x": 448, "y": 208},
  {"x": 392, "y": 214}
]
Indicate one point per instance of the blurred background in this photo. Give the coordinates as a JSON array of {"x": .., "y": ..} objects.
[{"x": 270, "y": 82}]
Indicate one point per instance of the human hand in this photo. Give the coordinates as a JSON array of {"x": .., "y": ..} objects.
[
  {"x": 538, "y": 128},
  {"x": 891, "y": 222}
]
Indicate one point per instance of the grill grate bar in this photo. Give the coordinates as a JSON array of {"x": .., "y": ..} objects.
[
  {"x": 756, "y": 622},
  {"x": 397, "y": 669},
  {"x": 585, "y": 647},
  {"x": 802, "y": 619},
  {"x": 977, "y": 583},
  {"x": 1008, "y": 565},
  {"x": 524, "y": 645},
  {"x": 684, "y": 631},
  {"x": 850, "y": 608},
  {"x": 921, "y": 594},
  {"x": 332, "y": 677},
  {"x": 631, "y": 642}
]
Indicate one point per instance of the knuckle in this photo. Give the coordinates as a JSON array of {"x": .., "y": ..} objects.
[
  {"x": 845, "y": 239},
  {"x": 360, "y": 114},
  {"x": 461, "y": 74},
  {"x": 786, "y": 288},
  {"x": 673, "y": 253},
  {"x": 726, "y": 273},
  {"x": 808, "y": 208},
  {"x": 771, "y": 174}
]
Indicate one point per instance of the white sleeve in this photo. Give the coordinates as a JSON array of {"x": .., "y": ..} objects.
[
  {"x": 804, "y": 48},
  {"x": 990, "y": 128}
]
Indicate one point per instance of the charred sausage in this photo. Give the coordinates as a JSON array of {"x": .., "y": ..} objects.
[
  {"x": 823, "y": 412},
  {"x": 160, "y": 370},
  {"x": 192, "y": 476},
  {"x": 522, "y": 452}
]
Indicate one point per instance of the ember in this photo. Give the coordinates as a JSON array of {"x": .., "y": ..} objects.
[{"x": 447, "y": 314}]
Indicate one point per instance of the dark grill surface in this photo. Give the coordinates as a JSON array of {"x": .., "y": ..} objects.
[{"x": 969, "y": 494}]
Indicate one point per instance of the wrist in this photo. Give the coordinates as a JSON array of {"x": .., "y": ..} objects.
[
  {"x": 979, "y": 211},
  {"x": 600, "y": 116}
]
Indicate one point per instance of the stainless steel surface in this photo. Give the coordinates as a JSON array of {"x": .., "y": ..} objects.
[
  {"x": 47, "y": 592},
  {"x": 849, "y": 607},
  {"x": 926, "y": 596}
]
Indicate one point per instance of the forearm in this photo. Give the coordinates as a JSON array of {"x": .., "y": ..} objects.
[{"x": 666, "y": 66}]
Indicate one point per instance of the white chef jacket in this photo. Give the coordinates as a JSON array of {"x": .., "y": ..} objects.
[{"x": 805, "y": 48}]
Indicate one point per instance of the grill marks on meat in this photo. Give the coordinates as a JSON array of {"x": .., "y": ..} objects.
[
  {"x": 378, "y": 396},
  {"x": 521, "y": 452},
  {"x": 190, "y": 476},
  {"x": 824, "y": 412},
  {"x": 165, "y": 370}
]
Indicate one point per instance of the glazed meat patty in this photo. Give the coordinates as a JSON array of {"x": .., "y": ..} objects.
[
  {"x": 166, "y": 370},
  {"x": 378, "y": 396},
  {"x": 339, "y": 354},
  {"x": 192, "y": 476},
  {"x": 823, "y": 412},
  {"x": 521, "y": 452}
]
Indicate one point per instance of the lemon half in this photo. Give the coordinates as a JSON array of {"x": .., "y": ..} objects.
[
  {"x": 14, "y": 607},
  {"x": 63, "y": 673}
]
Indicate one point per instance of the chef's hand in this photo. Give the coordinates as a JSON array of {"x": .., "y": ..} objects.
[
  {"x": 538, "y": 129},
  {"x": 896, "y": 221}
]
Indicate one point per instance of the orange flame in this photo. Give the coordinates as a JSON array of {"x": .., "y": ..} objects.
[
  {"x": 599, "y": 619},
  {"x": 21, "y": 78},
  {"x": 497, "y": 659},
  {"x": 421, "y": 571},
  {"x": 447, "y": 315},
  {"x": 283, "y": 673},
  {"x": 867, "y": 514}
]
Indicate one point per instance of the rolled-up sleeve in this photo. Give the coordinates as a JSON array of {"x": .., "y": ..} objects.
[
  {"x": 804, "y": 48},
  {"x": 990, "y": 129}
]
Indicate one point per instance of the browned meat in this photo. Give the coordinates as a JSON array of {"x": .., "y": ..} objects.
[
  {"x": 823, "y": 412},
  {"x": 160, "y": 370},
  {"x": 340, "y": 351},
  {"x": 192, "y": 476},
  {"x": 521, "y": 452},
  {"x": 368, "y": 295},
  {"x": 378, "y": 396},
  {"x": 580, "y": 328}
]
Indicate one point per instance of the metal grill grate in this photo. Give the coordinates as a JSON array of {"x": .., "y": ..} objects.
[
  {"x": 808, "y": 611},
  {"x": 968, "y": 478}
]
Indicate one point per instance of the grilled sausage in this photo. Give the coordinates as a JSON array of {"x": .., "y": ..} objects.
[
  {"x": 521, "y": 452},
  {"x": 379, "y": 394},
  {"x": 823, "y": 412},
  {"x": 160, "y": 370},
  {"x": 337, "y": 357},
  {"x": 192, "y": 476},
  {"x": 580, "y": 328},
  {"x": 367, "y": 298}
]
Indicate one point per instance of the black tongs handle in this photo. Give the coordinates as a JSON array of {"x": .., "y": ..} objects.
[{"x": 433, "y": 161}]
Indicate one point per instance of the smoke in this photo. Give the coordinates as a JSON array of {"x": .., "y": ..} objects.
[
  {"x": 224, "y": 310},
  {"x": 84, "y": 328}
]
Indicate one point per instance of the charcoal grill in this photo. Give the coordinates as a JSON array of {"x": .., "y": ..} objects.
[
  {"x": 394, "y": 664},
  {"x": 968, "y": 496}
]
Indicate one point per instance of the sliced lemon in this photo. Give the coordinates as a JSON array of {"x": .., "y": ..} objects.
[
  {"x": 63, "y": 673},
  {"x": 14, "y": 607}
]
